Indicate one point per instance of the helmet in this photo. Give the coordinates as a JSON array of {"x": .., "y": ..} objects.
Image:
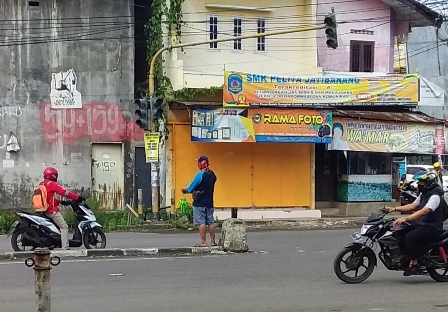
[
  {"x": 436, "y": 165},
  {"x": 51, "y": 174},
  {"x": 427, "y": 180}
]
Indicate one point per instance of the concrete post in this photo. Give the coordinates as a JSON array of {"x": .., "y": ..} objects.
[
  {"x": 173, "y": 204},
  {"x": 140, "y": 203},
  {"x": 41, "y": 263}
]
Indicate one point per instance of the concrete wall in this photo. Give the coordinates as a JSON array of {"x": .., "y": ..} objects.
[
  {"x": 428, "y": 55},
  {"x": 55, "y": 37},
  {"x": 355, "y": 15},
  {"x": 291, "y": 54}
]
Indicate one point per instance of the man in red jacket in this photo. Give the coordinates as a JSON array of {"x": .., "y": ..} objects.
[{"x": 52, "y": 186}]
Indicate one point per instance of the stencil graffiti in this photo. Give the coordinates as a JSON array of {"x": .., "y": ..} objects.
[
  {"x": 63, "y": 90},
  {"x": 105, "y": 165},
  {"x": 10, "y": 111},
  {"x": 97, "y": 121}
]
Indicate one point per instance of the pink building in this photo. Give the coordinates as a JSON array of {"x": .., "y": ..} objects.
[{"x": 366, "y": 32}]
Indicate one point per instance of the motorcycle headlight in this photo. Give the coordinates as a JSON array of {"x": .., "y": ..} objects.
[{"x": 364, "y": 229}]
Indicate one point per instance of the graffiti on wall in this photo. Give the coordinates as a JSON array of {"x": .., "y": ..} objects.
[
  {"x": 3, "y": 141},
  {"x": 97, "y": 121},
  {"x": 10, "y": 112},
  {"x": 64, "y": 93}
]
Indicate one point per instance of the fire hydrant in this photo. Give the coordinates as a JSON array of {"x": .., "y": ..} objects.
[{"x": 42, "y": 262}]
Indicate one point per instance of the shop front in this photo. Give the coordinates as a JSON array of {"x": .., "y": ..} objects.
[
  {"x": 366, "y": 144},
  {"x": 263, "y": 157}
]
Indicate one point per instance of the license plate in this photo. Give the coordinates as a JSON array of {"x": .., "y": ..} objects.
[
  {"x": 13, "y": 227},
  {"x": 356, "y": 237}
]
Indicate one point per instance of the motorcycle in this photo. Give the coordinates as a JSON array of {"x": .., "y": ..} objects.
[
  {"x": 408, "y": 193},
  {"x": 377, "y": 230},
  {"x": 37, "y": 230}
]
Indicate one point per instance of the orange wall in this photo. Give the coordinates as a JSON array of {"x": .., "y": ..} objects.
[{"x": 260, "y": 174}]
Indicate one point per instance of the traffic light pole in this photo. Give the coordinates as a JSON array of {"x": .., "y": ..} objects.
[{"x": 155, "y": 166}]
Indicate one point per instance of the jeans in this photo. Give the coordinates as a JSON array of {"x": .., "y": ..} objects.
[
  {"x": 416, "y": 242},
  {"x": 59, "y": 220}
]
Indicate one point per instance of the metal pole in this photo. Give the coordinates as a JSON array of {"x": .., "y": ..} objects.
[
  {"x": 140, "y": 203},
  {"x": 41, "y": 261},
  {"x": 42, "y": 269},
  {"x": 173, "y": 204},
  {"x": 154, "y": 166}
]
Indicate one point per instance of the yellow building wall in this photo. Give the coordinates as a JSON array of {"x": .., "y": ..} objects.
[
  {"x": 287, "y": 54},
  {"x": 249, "y": 174}
]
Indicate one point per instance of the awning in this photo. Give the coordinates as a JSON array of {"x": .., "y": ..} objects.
[{"x": 416, "y": 13}]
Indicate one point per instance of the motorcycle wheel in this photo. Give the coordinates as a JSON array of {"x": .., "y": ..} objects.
[
  {"x": 353, "y": 263},
  {"x": 91, "y": 239},
  {"x": 434, "y": 273},
  {"x": 21, "y": 232}
]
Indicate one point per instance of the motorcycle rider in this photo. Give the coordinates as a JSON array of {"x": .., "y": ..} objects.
[
  {"x": 427, "y": 220},
  {"x": 438, "y": 170},
  {"x": 50, "y": 183}
]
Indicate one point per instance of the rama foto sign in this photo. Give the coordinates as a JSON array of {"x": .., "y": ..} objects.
[
  {"x": 247, "y": 89},
  {"x": 261, "y": 125}
]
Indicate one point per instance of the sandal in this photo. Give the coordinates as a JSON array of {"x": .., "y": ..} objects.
[{"x": 411, "y": 270}]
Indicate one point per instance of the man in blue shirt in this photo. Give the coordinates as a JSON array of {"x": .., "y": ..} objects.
[{"x": 202, "y": 188}]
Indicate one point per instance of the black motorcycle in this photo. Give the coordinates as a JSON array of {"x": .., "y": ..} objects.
[
  {"x": 380, "y": 231},
  {"x": 408, "y": 193}
]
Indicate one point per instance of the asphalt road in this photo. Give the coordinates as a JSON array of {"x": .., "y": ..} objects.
[{"x": 295, "y": 274}]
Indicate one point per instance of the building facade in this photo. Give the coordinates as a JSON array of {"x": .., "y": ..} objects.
[{"x": 67, "y": 85}]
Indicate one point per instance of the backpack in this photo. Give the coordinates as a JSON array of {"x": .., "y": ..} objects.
[
  {"x": 444, "y": 206},
  {"x": 40, "y": 201}
]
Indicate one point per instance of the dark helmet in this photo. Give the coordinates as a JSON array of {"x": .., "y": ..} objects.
[
  {"x": 427, "y": 180},
  {"x": 51, "y": 174}
]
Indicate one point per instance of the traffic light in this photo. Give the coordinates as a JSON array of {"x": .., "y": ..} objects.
[
  {"x": 331, "y": 30},
  {"x": 157, "y": 110},
  {"x": 142, "y": 113}
]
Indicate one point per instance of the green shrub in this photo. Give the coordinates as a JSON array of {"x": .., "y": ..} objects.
[{"x": 7, "y": 218}]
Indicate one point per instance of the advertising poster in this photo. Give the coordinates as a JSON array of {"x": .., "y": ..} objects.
[
  {"x": 152, "y": 146},
  {"x": 387, "y": 137},
  {"x": 248, "y": 89},
  {"x": 261, "y": 125}
]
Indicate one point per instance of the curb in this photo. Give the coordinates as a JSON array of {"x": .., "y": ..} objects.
[
  {"x": 118, "y": 252},
  {"x": 304, "y": 224}
]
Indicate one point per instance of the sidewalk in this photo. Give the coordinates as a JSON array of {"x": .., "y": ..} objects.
[{"x": 305, "y": 224}]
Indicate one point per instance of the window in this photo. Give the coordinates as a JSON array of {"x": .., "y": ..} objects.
[
  {"x": 361, "y": 56},
  {"x": 362, "y": 163},
  {"x": 342, "y": 162},
  {"x": 357, "y": 161},
  {"x": 213, "y": 30},
  {"x": 413, "y": 170},
  {"x": 379, "y": 163},
  {"x": 261, "y": 29},
  {"x": 237, "y": 32}
]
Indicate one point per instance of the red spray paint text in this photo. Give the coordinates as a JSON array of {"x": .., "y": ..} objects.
[{"x": 97, "y": 121}]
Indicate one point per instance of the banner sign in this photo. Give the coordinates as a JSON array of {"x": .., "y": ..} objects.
[
  {"x": 388, "y": 137},
  {"x": 247, "y": 89},
  {"x": 261, "y": 125}
]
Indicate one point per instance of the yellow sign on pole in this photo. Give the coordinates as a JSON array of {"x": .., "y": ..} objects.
[{"x": 152, "y": 146}]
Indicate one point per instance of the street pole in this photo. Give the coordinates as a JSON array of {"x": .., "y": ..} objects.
[{"x": 155, "y": 166}]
